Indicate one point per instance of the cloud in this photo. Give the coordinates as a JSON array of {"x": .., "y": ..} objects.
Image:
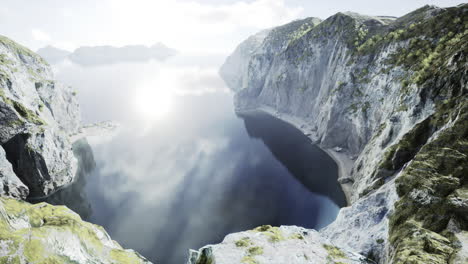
[
  {"x": 40, "y": 35},
  {"x": 186, "y": 25},
  {"x": 194, "y": 26}
]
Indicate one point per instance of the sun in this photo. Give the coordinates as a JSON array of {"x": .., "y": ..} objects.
[{"x": 153, "y": 103}]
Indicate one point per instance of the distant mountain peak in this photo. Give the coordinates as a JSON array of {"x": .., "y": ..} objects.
[{"x": 106, "y": 54}]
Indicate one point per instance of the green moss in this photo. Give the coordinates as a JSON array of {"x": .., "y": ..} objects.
[
  {"x": 402, "y": 152},
  {"x": 4, "y": 60},
  {"x": 20, "y": 50},
  {"x": 205, "y": 257},
  {"x": 249, "y": 260},
  {"x": 123, "y": 257},
  {"x": 380, "y": 241},
  {"x": 365, "y": 107},
  {"x": 376, "y": 184},
  {"x": 402, "y": 108},
  {"x": 418, "y": 226},
  {"x": 255, "y": 251},
  {"x": 339, "y": 87},
  {"x": 431, "y": 42},
  {"x": 5, "y": 98},
  {"x": 301, "y": 31},
  {"x": 244, "y": 242},
  {"x": 34, "y": 75},
  {"x": 296, "y": 236},
  {"x": 380, "y": 129},
  {"x": 34, "y": 250},
  {"x": 274, "y": 233},
  {"x": 353, "y": 107},
  {"x": 357, "y": 92},
  {"x": 10, "y": 260},
  {"x": 33, "y": 241},
  {"x": 334, "y": 254},
  {"x": 27, "y": 114}
]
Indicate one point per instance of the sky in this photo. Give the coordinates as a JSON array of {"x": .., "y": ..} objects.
[{"x": 198, "y": 26}]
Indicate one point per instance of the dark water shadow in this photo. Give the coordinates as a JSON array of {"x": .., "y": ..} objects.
[{"x": 305, "y": 161}]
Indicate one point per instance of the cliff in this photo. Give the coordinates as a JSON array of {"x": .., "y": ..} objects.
[
  {"x": 390, "y": 95},
  {"x": 39, "y": 122},
  {"x": 37, "y": 117}
]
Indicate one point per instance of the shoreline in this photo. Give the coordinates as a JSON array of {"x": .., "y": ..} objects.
[{"x": 343, "y": 162}]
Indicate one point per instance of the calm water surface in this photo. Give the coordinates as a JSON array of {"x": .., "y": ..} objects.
[{"x": 189, "y": 178}]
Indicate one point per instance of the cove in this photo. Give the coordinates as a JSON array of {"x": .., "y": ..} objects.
[{"x": 198, "y": 175}]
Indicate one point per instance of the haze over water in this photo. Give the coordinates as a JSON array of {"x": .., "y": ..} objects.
[{"x": 193, "y": 171}]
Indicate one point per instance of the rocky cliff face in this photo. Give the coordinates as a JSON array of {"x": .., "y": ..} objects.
[
  {"x": 37, "y": 116},
  {"x": 391, "y": 94},
  {"x": 39, "y": 119}
]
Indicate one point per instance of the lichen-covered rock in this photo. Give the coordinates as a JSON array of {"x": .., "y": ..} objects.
[
  {"x": 382, "y": 90},
  {"x": 433, "y": 191},
  {"x": 46, "y": 234},
  {"x": 274, "y": 245},
  {"x": 37, "y": 115}
]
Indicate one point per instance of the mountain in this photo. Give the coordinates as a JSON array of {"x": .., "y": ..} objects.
[
  {"x": 387, "y": 99},
  {"x": 98, "y": 55},
  {"x": 38, "y": 118},
  {"x": 52, "y": 54}
]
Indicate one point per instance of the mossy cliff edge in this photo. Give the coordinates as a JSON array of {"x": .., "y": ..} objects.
[
  {"x": 47, "y": 234},
  {"x": 391, "y": 94},
  {"x": 39, "y": 118}
]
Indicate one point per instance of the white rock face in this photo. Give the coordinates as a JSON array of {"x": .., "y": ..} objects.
[
  {"x": 274, "y": 245},
  {"x": 37, "y": 115},
  {"x": 363, "y": 227},
  {"x": 309, "y": 74},
  {"x": 314, "y": 80}
]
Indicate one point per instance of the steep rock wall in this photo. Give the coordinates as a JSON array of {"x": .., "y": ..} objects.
[
  {"x": 383, "y": 90},
  {"x": 37, "y": 116}
]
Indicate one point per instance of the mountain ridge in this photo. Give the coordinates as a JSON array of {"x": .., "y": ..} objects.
[{"x": 107, "y": 54}]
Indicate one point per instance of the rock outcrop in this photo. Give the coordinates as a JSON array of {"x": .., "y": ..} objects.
[
  {"x": 39, "y": 122},
  {"x": 390, "y": 93},
  {"x": 274, "y": 245},
  {"x": 43, "y": 233},
  {"x": 37, "y": 115}
]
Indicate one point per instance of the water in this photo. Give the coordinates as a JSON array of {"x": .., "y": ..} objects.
[{"x": 200, "y": 172}]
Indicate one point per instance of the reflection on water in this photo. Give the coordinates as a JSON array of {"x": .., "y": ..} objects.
[
  {"x": 306, "y": 162},
  {"x": 189, "y": 179}
]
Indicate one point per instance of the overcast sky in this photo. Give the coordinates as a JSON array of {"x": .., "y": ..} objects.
[{"x": 214, "y": 26}]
